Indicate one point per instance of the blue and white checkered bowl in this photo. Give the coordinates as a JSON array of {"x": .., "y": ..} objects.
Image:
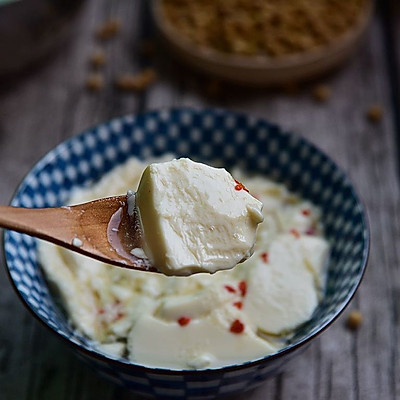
[{"x": 217, "y": 137}]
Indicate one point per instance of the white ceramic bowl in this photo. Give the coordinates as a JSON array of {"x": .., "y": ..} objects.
[{"x": 252, "y": 144}]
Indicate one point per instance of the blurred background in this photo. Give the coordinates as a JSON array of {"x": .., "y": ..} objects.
[{"x": 327, "y": 72}]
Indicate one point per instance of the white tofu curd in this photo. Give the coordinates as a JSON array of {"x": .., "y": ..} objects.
[
  {"x": 204, "y": 320},
  {"x": 281, "y": 289},
  {"x": 195, "y": 218},
  {"x": 201, "y": 343}
]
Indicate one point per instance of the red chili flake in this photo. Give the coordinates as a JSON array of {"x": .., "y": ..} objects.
[
  {"x": 295, "y": 233},
  {"x": 310, "y": 231},
  {"x": 101, "y": 311},
  {"x": 238, "y": 304},
  {"x": 119, "y": 316},
  {"x": 264, "y": 257},
  {"x": 306, "y": 212},
  {"x": 240, "y": 186},
  {"x": 243, "y": 288},
  {"x": 230, "y": 288},
  {"x": 237, "y": 326},
  {"x": 183, "y": 321}
]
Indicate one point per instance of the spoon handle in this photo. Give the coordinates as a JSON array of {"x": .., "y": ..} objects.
[{"x": 56, "y": 225}]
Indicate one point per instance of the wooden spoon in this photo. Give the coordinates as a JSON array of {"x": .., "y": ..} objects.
[{"x": 101, "y": 229}]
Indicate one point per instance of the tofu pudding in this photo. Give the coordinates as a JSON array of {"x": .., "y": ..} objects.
[
  {"x": 201, "y": 321},
  {"x": 195, "y": 218}
]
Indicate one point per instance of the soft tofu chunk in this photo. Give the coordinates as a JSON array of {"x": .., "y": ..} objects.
[{"x": 195, "y": 218}]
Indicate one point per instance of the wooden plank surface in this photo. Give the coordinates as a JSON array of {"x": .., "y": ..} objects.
[{"x": 51, "y": 104}]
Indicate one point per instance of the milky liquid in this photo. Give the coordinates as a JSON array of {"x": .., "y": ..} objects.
[{"x": 124, "y": 235}]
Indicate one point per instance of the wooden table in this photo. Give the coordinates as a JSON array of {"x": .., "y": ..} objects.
[{"x": 51, "y": 103}]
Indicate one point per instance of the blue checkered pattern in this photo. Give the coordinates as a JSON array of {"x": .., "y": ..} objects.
[{"x": 221, "y": 138}]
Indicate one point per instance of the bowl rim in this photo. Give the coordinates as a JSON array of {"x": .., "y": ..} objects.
[{"x": 287, "y": 350}]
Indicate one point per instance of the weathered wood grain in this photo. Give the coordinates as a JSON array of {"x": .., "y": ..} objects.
[{"x": 52, "y": 104}]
